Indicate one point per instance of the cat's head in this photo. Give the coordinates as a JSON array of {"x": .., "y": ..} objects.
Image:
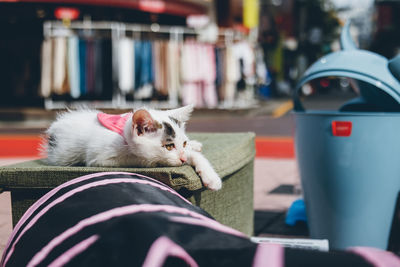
[{"x": 158, "y": 137}]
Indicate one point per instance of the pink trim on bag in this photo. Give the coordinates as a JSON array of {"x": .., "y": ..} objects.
[
  {"x": 82, "y": 188},
  {"x": 377, "y": 257},
  {"x": 269, "y": 255},
  {"x": 116, "y": 212},
  {"x": 48, "y": 195},
  {"x": 209, "y": 224},
  {"x": 164, "y": 247},
  {"x": 68, "y": 255}
]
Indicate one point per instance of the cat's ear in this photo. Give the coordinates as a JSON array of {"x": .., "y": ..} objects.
[
  {"x": 142, "y": 122},
  {"x": 181, "y": 114}
]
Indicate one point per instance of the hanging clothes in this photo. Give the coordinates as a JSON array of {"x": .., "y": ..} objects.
[
  {"x": 144, "y": 72},
  {"x": 115, "y": 63},
  {"x": 98, "y": 67},
  {"x": 46, "y": 68},
  {"x": 126, "y": 60},
  {"x": 209, "y": 76},
  {"x": 90, "y": 66},
  {"x": 147, "y": 67},
  {"x": 145, "y": 89},
  {"x": 245, "y": 54},
  {"x": 73, "y": 66},
  {"x": 106, "y": 70},
  {"x": 82, "y": 66},
  {"x": 160, "y": 60},
  {"x": 60, "y": 85},
  {"x": 198, "y": 74},
  {"x": 172, "y": 68},
  {"x": 220, "y": 72},
  {"x": 188, "y": 74},
  {"x": 156, "y": 64},
  {"x": 232, "y": 75}
]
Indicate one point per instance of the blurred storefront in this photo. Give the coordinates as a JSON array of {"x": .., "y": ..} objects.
[{"x": 252, "y": 50}]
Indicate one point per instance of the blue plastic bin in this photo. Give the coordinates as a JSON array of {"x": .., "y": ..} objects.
[{"x": 349, "y": 162}]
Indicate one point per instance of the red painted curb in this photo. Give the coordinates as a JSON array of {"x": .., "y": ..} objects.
[
  {"x": 28, "y": 145},
  {"x": 275, "y": 147},
  {"x": 19, "y": 146}
]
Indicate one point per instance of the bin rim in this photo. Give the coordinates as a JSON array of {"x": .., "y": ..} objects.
[{"x": 352, "y": 63}]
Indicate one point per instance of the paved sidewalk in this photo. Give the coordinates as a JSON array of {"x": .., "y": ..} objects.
[{"x": 269, "y": 174}]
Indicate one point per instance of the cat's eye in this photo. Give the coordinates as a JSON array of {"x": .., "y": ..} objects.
[
  {"x": 184, "y": 144},
  {"x": 169, "y": 147}
]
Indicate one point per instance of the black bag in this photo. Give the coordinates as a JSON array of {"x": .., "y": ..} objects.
[{"x": 124, "y": 219}]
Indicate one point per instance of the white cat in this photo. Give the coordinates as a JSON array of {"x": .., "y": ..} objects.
[{"x": 143, "y": 138}]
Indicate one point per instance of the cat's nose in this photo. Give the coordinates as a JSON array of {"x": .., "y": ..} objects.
[{"x": 183, "y": 158}]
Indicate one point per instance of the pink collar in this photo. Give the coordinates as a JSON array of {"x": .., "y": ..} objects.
[{"x": 115, "y": 123}]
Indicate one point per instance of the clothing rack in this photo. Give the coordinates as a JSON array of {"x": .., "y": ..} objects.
[
  {"x": 115, "y": 31},
  {"x": 58, "y": 28}
]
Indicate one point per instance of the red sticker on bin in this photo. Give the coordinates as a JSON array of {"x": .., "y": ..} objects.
[{"x": 341, "y": 128}]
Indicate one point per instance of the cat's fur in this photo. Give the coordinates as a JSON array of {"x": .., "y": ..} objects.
[{"x": 77, "y": 138}]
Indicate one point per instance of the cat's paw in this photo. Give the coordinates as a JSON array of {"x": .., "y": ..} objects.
[
  {"x": 210, "y": 178},
  {"x": 195, "y": 145},
  {"x": 205, "y": 170},
  {"x": 214, "y": 184}
]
